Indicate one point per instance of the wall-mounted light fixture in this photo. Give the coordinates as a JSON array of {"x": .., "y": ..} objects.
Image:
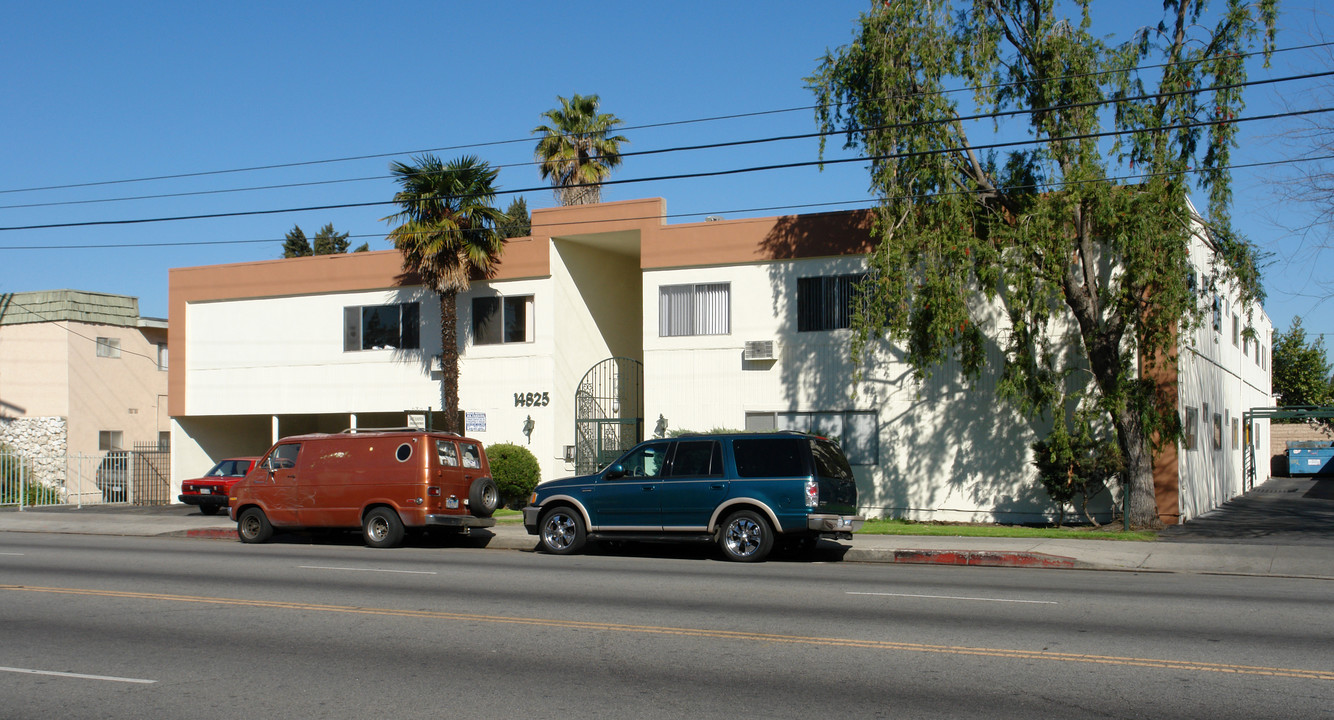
[
  {"x": 528, "y": 428},
  {"x": 660, "y": 430}
]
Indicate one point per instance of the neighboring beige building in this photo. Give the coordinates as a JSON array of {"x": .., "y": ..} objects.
[{"x": 81, "y": 373}]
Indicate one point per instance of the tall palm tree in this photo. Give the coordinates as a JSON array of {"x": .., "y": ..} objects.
[
  {"x": 575, "y": 151},
  {"x": 448, "y": 231}
]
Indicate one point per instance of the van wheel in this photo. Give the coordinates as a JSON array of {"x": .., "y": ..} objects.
[
  {"x": 382, "y": 528},
  {"x": 746, "y": 537},
  {"x": 253, "y": 526},
  {"x": 484, "y": 497},
  {"x": 562, "y": 531}
]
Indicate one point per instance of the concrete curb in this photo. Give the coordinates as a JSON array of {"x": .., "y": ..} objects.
[{"x": 972, "y": 558}]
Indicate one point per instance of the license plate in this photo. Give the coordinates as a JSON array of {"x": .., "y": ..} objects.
[
  {"x": 205, "y": 491},
  {"x": 452, "y": 503}
]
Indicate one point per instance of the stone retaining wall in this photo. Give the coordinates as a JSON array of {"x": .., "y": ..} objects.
[{"x": 42, "y": 441}]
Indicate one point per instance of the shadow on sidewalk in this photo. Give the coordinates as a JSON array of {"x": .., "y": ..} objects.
[{"x": 1282, "y": 511}]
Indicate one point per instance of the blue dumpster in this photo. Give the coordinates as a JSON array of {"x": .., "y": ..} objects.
[{"x": 1310, "y": 457}]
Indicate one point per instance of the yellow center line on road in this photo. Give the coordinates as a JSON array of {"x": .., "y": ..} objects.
[{"x": 704, "y": 633}]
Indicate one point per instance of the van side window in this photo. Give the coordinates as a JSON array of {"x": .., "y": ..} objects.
[
  {"x": 470, "y": 457},
  {"x": 448, "y": 454},
  {"x": 284, "y": 456},
  {"x": 697, "y": 458}
]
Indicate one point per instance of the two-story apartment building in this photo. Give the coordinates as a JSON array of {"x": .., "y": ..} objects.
[
  {"x": 608, "y": 325},
  {"x": 81, "y": 374}
]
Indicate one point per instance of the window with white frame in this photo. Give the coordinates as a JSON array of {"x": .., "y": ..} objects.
[
  {"x": 162, "y": 356},
  {"x": 108, "y": 440},
  {"x": 497, "y": 320},
  {"x": 1189, "y": 428},
  {"x": 108, "y": 347},
  {"x": 396, "y": 326},
  {"x": 1236, "y": 329},
  {"x": 704, "y": 309},
  {"x": 826, "y": 303},
  {"x": 855, "y": 431}
]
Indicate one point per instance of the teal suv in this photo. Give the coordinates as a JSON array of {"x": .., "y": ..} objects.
[{"x": 743, "y": 491}]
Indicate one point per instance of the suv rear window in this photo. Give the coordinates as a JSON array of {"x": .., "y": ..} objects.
[
  {"x": 830, "y": 462},
  {"x": 769, "y": 457}
]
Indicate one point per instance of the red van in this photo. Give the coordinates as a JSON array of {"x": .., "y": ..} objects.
[{"x": 382, "y": 481}]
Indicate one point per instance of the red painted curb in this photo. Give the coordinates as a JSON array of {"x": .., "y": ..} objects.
[
  {"x": 212, "y": 533},
  {"x": 985, "y": 558}
]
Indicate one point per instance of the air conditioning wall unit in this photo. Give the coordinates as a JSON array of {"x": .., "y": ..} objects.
[{"x": 759, "y": 350}]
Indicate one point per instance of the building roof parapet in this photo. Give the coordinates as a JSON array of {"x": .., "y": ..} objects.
[{"x": 71, "y": 306}]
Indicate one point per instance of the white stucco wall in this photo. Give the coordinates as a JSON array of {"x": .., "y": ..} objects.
[{"x": 1221, "y": 373}]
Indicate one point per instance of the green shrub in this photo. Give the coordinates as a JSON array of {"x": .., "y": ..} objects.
[
  {"x": 11, "y": 478},
  {"x": 515, "y": 470}
]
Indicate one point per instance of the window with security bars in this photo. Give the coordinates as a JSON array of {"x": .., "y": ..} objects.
[
  {"x": 704, "y": 309},
  {"x": 826, "y": 303}
]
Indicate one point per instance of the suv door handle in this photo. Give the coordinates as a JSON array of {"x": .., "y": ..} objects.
[{"x": 648, "y": 488}]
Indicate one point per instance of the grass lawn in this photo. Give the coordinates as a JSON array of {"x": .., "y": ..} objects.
[{"x": 904, "y": 527}]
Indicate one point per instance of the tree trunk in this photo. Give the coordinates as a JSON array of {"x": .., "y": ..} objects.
[
  {"x": 449, "y": 360},
  {"x": 1137, "y": 477}
]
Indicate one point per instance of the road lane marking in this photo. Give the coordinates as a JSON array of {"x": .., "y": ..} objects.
[
  {"x": 13, "y": 554},
  {"x": 738, "y": 635},
  {"x": 79, "y": 676},
  {"x": 380, "y": 570},
  {"x": 956, "y": 597}
]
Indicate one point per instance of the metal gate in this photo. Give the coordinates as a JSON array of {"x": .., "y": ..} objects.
[
  {"x": 150, "y": 475},
  {"x": 608, "y": 413}
]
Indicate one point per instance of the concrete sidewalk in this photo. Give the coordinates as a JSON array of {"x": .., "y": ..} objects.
[{"x": 1270, "y": 559}]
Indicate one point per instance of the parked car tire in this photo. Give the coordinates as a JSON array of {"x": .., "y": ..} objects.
[
  {"x": 484, "y": 497},
  {"x": 382, "y": 528},
  {"x": 562, "y": 531},
  {"x": 253, "y": 526},
  {"x": 745, "y": 536},
  {"x": 208, "y": 509}
]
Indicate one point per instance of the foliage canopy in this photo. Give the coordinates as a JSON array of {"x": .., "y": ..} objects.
[{"x": 1079, "y": 233}]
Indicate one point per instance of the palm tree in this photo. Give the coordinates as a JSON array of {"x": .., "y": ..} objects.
[
  {"x": 448, "y": 232},
  {"x": 574, "y": 150}
]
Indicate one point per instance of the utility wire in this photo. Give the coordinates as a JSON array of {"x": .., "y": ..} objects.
[
  {"x": 687, "y": 176},
  {"x": 276, "y": 166},
  {"x": 7, "y": 300},
  {"x": 732, "y": 143},
  {"x": 672, "y": 216}
]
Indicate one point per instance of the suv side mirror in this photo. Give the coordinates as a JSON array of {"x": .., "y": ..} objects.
[{"x": 615, "y": 471}]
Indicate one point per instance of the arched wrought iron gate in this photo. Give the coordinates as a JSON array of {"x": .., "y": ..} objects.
[{"x": 608, "y": 412}]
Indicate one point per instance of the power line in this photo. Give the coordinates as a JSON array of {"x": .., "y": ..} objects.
[
  {"x": 671, "y": 216},
  {"x": 276, "y": 166},
  {"x": 727, "y": 144},
  {"x": 688, "y": 176}
]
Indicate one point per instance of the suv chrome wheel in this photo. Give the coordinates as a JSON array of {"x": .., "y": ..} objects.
[
  {"x": 746, "y": 537},
  {"x": 562, "y": 531}
]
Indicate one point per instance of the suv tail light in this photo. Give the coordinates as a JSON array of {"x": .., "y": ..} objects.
[
  {"x": 812, "y": 493},
  {"x": 433, "y": 491}
]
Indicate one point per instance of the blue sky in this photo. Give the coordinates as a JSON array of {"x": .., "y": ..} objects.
[{"x": 98, "y": 92}]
